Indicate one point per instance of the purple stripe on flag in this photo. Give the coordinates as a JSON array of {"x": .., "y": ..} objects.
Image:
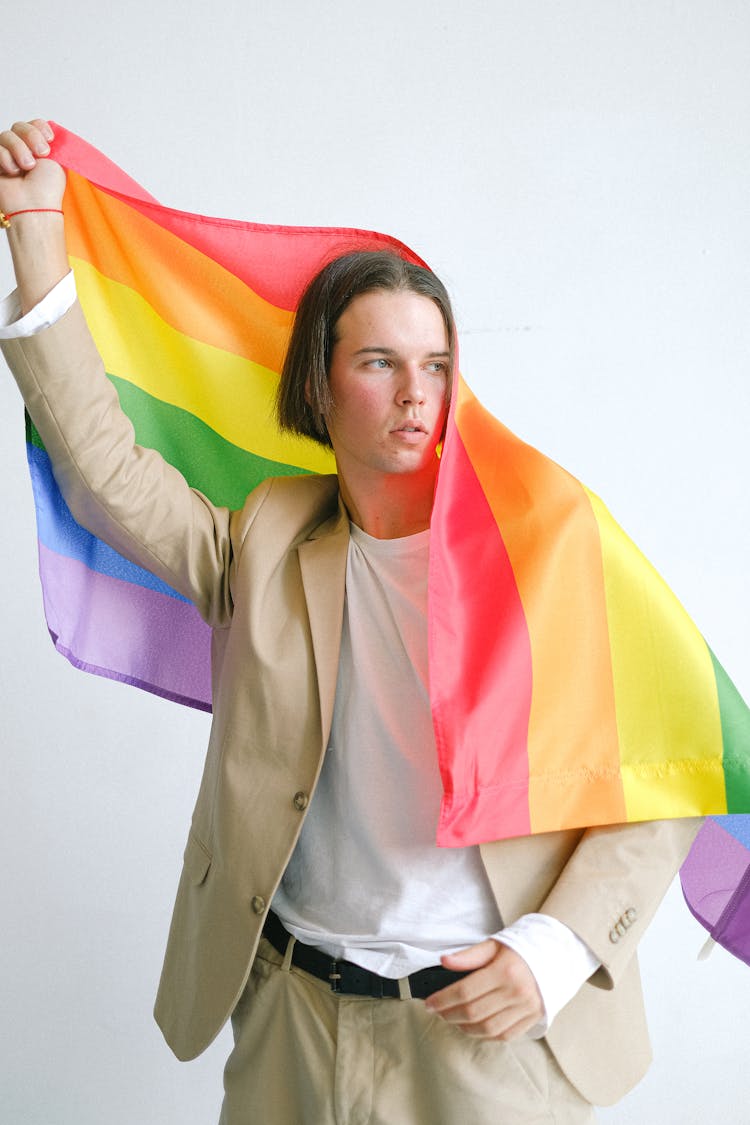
[
  {"x": 716, "y": 884},
  {"x": 115, "y": 629},
  {"x": 733, "y": 928},
  {"x": 716, "y": 864}
]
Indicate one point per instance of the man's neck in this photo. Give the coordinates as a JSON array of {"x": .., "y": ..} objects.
[{"x": 392, "y": 508}]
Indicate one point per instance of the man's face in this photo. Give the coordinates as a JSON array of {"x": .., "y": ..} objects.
[{"x": 389, "y": 377}]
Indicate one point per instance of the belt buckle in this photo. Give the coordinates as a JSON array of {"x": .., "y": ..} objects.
[{"x": 334, "y": 977}]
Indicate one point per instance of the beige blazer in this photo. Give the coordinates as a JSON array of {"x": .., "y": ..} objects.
[{"x": 270, "y": 579}]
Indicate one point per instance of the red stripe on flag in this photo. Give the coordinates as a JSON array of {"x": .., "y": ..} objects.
[
  {"x": 283, "y": 259},
  {"x": 79, "y": 156},
  {"x": 480, "y": 663}
]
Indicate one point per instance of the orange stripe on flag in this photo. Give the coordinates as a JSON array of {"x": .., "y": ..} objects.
[
  {"x": 553, "y": 545},
  {"x": 210, "y": 304}
]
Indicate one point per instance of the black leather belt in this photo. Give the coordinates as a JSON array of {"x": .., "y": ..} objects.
[{"x": 349, "y": 979}]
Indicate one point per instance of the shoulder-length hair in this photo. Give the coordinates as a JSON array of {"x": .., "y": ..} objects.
[{"x": 304, "y": 399}]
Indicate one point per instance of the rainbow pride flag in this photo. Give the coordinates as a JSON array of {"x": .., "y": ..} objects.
[
  {"x": 569, "y": 687},
  {"x": 191, "y": 316}
]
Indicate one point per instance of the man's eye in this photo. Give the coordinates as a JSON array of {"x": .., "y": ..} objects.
[{"x": 379, "y": 363}]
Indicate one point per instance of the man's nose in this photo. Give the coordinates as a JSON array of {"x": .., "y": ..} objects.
[{"x": 411, "y": 387}]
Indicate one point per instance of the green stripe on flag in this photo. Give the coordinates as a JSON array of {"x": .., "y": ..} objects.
[
  {"x": 735, "y": 730},
  {"x": 220, "y": 469}
]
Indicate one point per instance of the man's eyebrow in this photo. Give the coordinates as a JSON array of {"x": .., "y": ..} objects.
[{"x": 391, "y": 351}]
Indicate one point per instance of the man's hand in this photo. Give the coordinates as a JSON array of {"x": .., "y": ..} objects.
[
  {"x": 32, "y": 183},
  {"x": 499, "y": 999},
  {"x": 27, "y": 177}
]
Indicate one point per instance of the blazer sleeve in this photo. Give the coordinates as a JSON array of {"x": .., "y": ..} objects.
[
  {"x": 128, "y": 496},
  {"x": 613, "y": 883}
]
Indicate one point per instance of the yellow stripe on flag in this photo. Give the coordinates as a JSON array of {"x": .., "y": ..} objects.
[
  {"x": 232, "y": 395},
  {"x": 665, "y": 689}
]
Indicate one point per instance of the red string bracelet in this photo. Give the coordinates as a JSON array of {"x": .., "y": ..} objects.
[{"x": 5, "y": 218}]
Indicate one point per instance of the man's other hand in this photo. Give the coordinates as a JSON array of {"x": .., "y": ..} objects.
[{"x": 499, "y": 999}]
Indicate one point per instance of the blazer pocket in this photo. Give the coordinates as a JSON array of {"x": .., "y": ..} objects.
[{"x": 196, "y": 860}]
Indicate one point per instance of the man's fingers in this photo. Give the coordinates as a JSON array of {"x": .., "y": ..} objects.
[
  {"x": 506, "y": 1026},
  {"x": 492, "y": 967},
  {"x": 469, "y": 998},
  {"x": 474, "y": 1009},
  {"x": 10, "y": 153},
  {"x": 475, "y": 957},
  {"x": 22, "y": 144},
  {"x": 44, "y": 128},
  {"x": 499, "y": 1000},
  {"x": 494, "y": 1015}
]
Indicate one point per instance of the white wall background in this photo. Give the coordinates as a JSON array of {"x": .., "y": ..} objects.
[{"x": 578, "y": 173}]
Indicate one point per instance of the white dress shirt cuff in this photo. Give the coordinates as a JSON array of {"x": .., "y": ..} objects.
[
  {"x": 49, "y": 310},
  {"x": 557, "y": 957}
]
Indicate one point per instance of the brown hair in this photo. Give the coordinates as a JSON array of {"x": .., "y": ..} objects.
[{"x": 308, "y": 358}]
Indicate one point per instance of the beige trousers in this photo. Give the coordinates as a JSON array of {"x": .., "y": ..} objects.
[{"x": 306, "y": 1056}]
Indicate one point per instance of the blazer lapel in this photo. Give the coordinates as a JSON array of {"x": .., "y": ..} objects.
[{"x": 323, "y": 567}]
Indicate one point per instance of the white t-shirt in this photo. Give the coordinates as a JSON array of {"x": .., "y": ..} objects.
[{"x": 366, "y": 881}]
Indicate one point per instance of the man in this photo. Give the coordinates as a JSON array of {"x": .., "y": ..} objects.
[{"x": 390, "y": 981}]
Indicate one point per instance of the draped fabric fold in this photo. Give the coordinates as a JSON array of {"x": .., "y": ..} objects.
[{"x": 569, "y": 687}]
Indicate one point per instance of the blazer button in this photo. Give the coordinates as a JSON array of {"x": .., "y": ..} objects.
[
  {"x": 614, "y": 937},
  {"x": 258, "y": 903},
  {"x": 631, "y": 915},
  {"x": 301, "y": 801}
]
